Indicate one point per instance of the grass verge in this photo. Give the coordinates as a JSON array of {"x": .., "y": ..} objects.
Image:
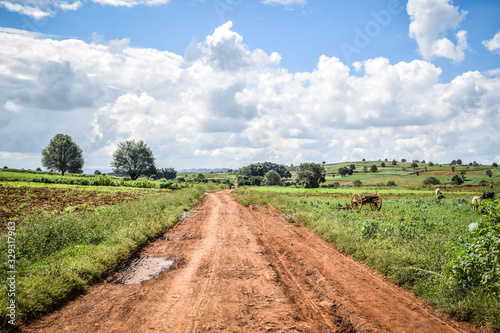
[{"x": 58, "y": 255}]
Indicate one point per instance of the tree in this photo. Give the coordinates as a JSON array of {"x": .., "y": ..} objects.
[
  {"x": 134, "y": 159},
  {"x": 489, "y": 173},
  {"x": 373, "y": 168},
  {"x": 200, "y": 177},
  {"x": 343, "y": 171},
  {"x": 458, "y": 179},
  {"x": 495, "y": 165},
  {"x": 431, "y": 181},
  {"x": 394, "y": 162},
  {"x": 311, "y": 174},
  {"x": 352, "y": 167},
  {"x": 459, "y": 162},
  {"x": 97, "y": 172},
  {"x": 403, "y": 160},
  {"x": 357, "y": 183},
  {"x": 168, "y": 173},
  {"x": 271, "y": 178},
  {"x": 382, "y": 164},
  {"x": 63, "y": 154},
  {"x": 414, "y": 165}
]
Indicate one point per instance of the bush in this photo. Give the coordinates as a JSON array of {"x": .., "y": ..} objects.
[
  {"x": 391, "y": 183},
  {"x": 103, "y": 180},
  {"x": 431, "y": 181}
]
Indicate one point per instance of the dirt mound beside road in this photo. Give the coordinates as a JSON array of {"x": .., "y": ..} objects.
[{"x": 243, "y": 269}]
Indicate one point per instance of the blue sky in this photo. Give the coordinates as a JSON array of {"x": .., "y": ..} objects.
[{"x": 224, "y": 83}]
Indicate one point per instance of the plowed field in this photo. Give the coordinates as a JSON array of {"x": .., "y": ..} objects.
[
  {"x": 17, "y": 201},
  {"x": 240, "y": 269}
]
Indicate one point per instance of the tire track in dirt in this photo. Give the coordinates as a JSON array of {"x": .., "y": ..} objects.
[{"x": 243, "y": 269}]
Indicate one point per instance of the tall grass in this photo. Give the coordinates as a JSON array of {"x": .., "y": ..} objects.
[
  {"x": 411, "y": 241},
  {"x": 56, "y": 255}
]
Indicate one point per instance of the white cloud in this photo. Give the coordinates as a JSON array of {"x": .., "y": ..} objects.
[
  {"x": 39, "y": 9},
  {"x": 284, "y": 2},
  {"x": 430, "y": 22},
  {"x": 223, "y": 104},
  {"x": 493, "y": 44}
]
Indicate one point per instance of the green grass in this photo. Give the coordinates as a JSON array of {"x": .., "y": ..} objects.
[
  {"x": 58, "y": 255},
  {"x": 410, "y": 240}
]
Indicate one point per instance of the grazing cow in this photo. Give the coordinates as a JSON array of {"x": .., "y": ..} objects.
[{"x": 475, "y": 202}]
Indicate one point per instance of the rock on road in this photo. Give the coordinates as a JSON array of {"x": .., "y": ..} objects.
[{"x": 241, "y": 269}]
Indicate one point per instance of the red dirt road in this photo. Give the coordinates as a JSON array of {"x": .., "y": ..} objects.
[{"x": 248, "y": 270}]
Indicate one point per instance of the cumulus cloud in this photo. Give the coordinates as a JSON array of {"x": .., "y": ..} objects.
[
  {"x": 430, "y": 22},
  {"x": 225, "y": 105},
  {"x": 493, "y": 44}
]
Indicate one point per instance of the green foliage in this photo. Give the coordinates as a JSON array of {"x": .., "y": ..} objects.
[
  {"x": 477, "y": 263},
  {"x": 373, "y": 168},
  {"x": 431, "y": 181},
  {"x": 133, "y": 158},
  {"x": 357, "y": 183},
  {"x": 311, "y": 174},
  {"x": 458, "y": 179},
  {"x": 103, "y": 180},
  {"x": 63, "y": 154},
  {"x": 168, "y": 173},
  {"x": 271, "y": 178},
  {"x": 261, "y": 169}
]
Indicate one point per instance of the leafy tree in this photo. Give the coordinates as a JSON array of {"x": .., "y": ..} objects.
[
  {"x": 430, "y": 163},
  {"x": 168, "y": 173},
  {"x": 382, "y": 164},
  {"x": 260, "y": 170},
  {"x": 394, "y": 162},
  {"x": 414, "y": 165},
  {"x": 364, "y": 160},
  {"x": 495, "y": 165},
  {"x": 200, "y": 177},
  {"x": 343, "y": 171},
  {"x": 352, "y": 167},
  {"x": 38, "y": 169},
  {"x": 391, "y": 183},
  {"x": 63, "y": 154},
  {"x": 134, "y": 159},
  {"x": 431, "y": 181},
  {"x": 458, "y": 179},
  {"x": 365, "y": 169},
  {"x": 373, "y": 168},
  {"x": 271, "y": 178},
  {"x": 311, "y": 174},
  {"x": 403, "y": 160},
  {"x": 459, "y": 162},
  {"x": 489, "y": 173},
  {"x": 357, "y": 183},
  {"x": 97, "y": 172}
]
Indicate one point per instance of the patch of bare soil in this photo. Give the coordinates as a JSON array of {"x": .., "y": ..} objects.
[{"x": 240, "y": 269}]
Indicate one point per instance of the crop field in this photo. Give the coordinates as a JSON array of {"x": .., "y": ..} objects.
[
  {"x": 414, "y": 240},
  {"x": 20, "y": 199}
]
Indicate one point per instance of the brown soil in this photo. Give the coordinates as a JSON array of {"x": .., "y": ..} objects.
[
  {"x": 243, "y": 269},
  {"x": 18, "y": 201}
]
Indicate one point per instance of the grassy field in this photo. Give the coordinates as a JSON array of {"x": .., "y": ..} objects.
[
  {"x": 413, "y": 240},
  {"x": 54, "y": 254}
]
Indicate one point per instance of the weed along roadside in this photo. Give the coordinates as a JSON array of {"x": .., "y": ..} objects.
[
  {"x": 56, "y": 255},
  {"x": 419, "y": 242}
]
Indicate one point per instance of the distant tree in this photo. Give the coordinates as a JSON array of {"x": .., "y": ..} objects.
[
  {"x": 271, "y": 178},
  {"x": 394, "y": 162},
  {"x": 200, "y": 177},
  {"x": 260, "y": 169},
  {"x": 403, "y": 160},
  {"x": 495, "y": 165},
  {"x": 391, "y": 183},
  {"x": 453, "y": 168},
  {"x": 458, "y": 179},
  {"x": 97, "y": 172},
  {"x": 459, "y": 162},
  {"x": 414, "y": 165},
  {"x": 168, "y": 173},
  {"x": 489, "y": 173},
  {"x": 364, "y": 160},
  {"x": 38, "y": 169},
  {"x": 311, "y": 174},
  {"x": 365, "y": 169},
  {"x": 431, "y": 181},
  {"x": 323, "y": 162},
  {"x": 423, "y": 161},
  {"x": 5, "y": 167},
  {"x": 357, "y": 183},
  {"x": 430, "y": 163},
  {"x": 63, "y": 154},
  {"x": 454, "y": 162},
  {"x": 382, "y": 164},
  {"x": 352, "y": 167},
  {"x": 134, "y": 159},
  {"x": 343, "y": 171},
  {"x": 373, "y": 168}
]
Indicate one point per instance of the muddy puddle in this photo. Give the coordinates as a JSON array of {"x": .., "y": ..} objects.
[{"x": 143, "y": 269}]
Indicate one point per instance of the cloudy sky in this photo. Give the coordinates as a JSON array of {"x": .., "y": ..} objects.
[{"x": 225, "y": 83}]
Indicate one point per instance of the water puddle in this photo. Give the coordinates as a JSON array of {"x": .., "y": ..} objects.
[{"x": 143, "y": 269}]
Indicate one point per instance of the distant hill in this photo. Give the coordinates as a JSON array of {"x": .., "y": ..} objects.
[{"x": 204, "y": 170}]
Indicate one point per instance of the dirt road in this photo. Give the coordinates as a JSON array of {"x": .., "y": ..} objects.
[{"x": 243, "y": 269}]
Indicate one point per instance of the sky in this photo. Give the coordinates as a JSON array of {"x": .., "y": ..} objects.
[{"x": 226, "y": 83}]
